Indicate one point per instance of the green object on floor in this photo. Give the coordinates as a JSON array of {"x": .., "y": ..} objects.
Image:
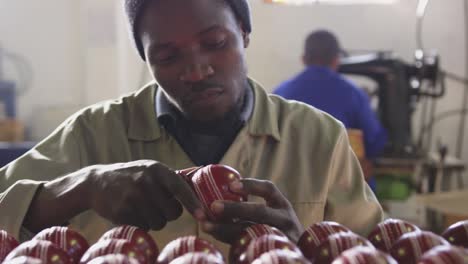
[{"x": 392, "y": 187}]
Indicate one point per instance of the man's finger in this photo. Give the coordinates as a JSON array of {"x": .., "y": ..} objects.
[
  {"x": 248, "y": 212},
  {"x": 160, "y": 198},
  {"x": 227, "y": 233},
  {"x": 262, "y": 188},
  {"x": 146, "y": 213},
  {"x": 171, "y": 208},
  {"x": 130, "y": 216},
  {"x": 182, "y": 191}
]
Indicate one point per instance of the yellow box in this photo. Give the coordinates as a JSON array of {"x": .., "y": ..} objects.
[
  {"x": 356, "y": 140},
  {"x": 11, "y": 130}
]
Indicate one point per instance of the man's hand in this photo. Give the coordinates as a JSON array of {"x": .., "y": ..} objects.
[
  {"x": 142, "y": 193},
  {"x": 277, "y": 212}
]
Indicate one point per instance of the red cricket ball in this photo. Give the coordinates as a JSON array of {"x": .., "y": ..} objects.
[
  {"x": 114, "y": 259},
  {"x": 316, "y": 234},
  {"x": 364, "y": 255},
  {"x": 247, "y": 235},
  {"x": 7, "y": 244},
  {"x": 139, "y": 237},
  {"x": 24, "y": 260},
  {"x": 336, "y": 244},
  {"x": 444, "y": 255},
  {"x": 44, "y": 250},
  {"x": 211, "y": 183},
  {"x": 411, "y": 246},
  {"x": 281, "y": 256},
  {"x": 457, "y": 234},
  {"x": 114, "y": 246},
  {"x": 184, "y": 245},
  {"x": 73, "y": 243},
  {"x": 387, "y": 232},
  {"x": 264, "y": 244},
  {"x": 197, "y": 258}
]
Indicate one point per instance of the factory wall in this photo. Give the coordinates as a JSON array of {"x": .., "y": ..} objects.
[{"x": 71, "y": 48}]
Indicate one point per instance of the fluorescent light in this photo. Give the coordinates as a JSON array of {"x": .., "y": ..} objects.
[
  {"x": 422, "y": 4},
  {"x": 338, "y": 2}
]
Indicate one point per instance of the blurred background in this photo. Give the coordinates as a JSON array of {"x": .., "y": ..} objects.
[{"x": 57, "y": 56}]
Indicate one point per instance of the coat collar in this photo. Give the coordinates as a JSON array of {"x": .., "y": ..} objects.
[{"x": 144, "y": 126}]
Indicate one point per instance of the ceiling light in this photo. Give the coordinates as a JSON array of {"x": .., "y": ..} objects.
[{"x": 338, "y": 2}]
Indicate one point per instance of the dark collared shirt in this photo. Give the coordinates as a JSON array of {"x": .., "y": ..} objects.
[{"x": 204, "y": 146}]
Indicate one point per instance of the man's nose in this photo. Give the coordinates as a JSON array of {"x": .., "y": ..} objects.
[{"x": 196, "y": 72}]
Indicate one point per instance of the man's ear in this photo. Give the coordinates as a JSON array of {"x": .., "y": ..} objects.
[
  {"x": 246, "y": 38},
  {"x": 245, "y": 35},
  {"x": 335, "y": 63}
]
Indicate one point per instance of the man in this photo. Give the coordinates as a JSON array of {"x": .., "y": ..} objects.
[
  {"x": 321, "y": 86},
  {"x": 114, "y": 162}
]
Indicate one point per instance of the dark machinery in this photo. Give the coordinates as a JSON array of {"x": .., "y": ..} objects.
[
  {"x": 10, "y": 127},
  {"x": 400, "y": 87},
  {"x": 7, "y": 92}
]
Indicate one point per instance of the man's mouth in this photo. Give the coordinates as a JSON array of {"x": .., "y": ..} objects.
[{"x": 206, "y": 96}]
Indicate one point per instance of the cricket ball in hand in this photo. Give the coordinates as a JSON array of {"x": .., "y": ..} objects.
[
  {"x": 411, "y": 246},
  {"x": 264, "y": 244},
  {"x": 444, "y": 255},
  {"x": 184, "y": 245},
  {"x": 7, "y": 244},
  {"x": 114, "y": 246},
  {"x": 114, "y": 259},
  {"x": 316, "y": 234},
  {"x": 73, "y": 243},
  {"x": 281, "y": 256},
  {"x": 211, "y": 183},
  {"x": 247, "y": 235},
  {"x": 24, "y": 260},
  {"x": 457, "y": 234},
  {"x": 139, "y": 237},
  {"x": 364, "y": 255},
  {"x": 44, "y": 250},
  {"x": 387, "y": 232},
  {"x": 336, "y": 244},
  {"x": 197, "y": 258}
]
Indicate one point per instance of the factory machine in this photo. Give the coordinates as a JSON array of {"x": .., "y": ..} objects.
[
  {"x": 400, "y": 86},
  {"x": 7, "y": 92},
  {"x": 12, "y": 132},
  {"x": 407, "y": 164}
]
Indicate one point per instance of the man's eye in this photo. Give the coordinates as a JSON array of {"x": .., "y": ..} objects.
[
  {"x": 165, "y": 59},
  {"x": 216, "y": 44}
]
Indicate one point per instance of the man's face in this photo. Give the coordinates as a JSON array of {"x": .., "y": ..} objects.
[{"x": 195, "y": 50}]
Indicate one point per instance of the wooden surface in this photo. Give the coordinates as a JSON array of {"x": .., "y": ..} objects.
[{"x": 449, "y": 203}]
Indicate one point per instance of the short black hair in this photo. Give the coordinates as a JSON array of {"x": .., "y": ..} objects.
[
  {"x": 321, "y": 48},
  {"x": 133, "y": 10}
]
